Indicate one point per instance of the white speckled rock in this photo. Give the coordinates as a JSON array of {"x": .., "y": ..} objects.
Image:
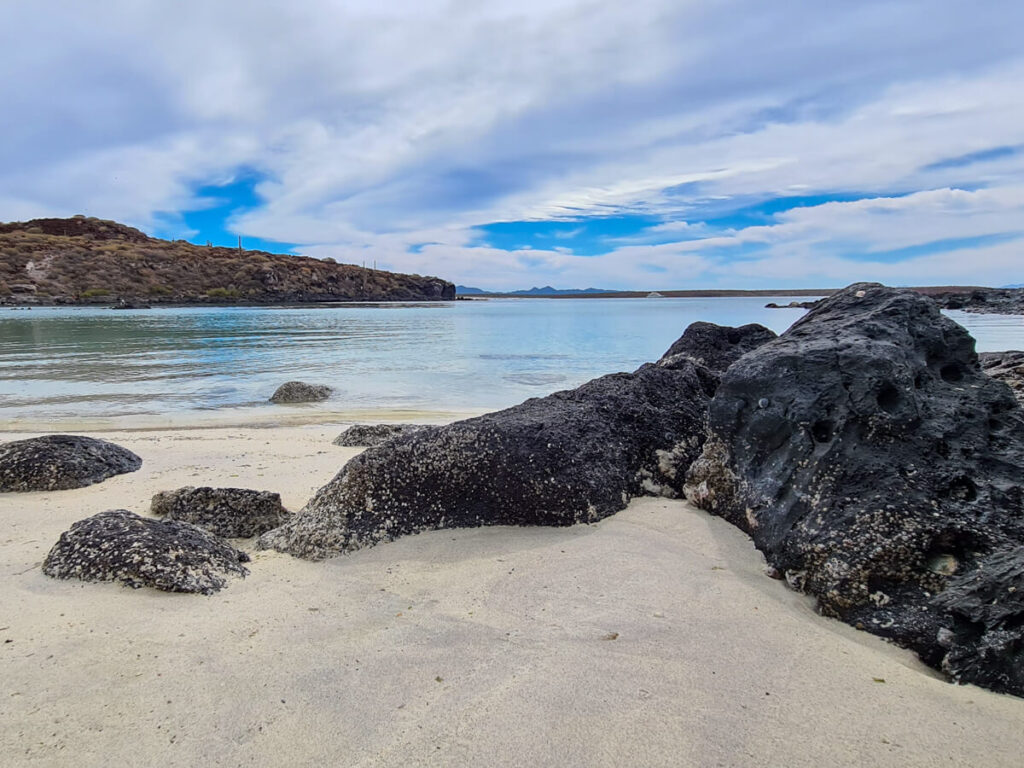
[
  {"x": 60, "y": 462},
  {"x": 120, "y": 546}
]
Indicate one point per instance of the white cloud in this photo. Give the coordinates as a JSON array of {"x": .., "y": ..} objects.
[{"x": 379, "y": 127}]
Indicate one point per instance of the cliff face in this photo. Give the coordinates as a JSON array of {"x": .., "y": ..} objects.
[{"x": 91, "y": 261}]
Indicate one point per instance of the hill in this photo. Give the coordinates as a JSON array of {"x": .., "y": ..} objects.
[
  {"x": 547, "y": 290},
  {"x": 92, "y": 261}
]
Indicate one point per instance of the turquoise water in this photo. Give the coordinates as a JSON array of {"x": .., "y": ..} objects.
[{"x": 67, "y": 364}]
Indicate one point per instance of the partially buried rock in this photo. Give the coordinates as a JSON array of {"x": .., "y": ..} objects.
[
  {"x": 574, "y": 456},
  {"x": 120, "y": 546},
  {"x": 300, "y": 392},
  {"x": 367, "y": 435},
  {"x": 60, "y": 462},
  {"x": 235, "y": 513},
  {"x": 876, "y": 466}
]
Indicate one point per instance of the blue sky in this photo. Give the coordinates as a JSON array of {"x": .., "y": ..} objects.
[{"x": 655, "y": 144}]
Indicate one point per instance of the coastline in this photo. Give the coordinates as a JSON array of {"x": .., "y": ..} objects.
[{"x": 456, "y": 647}]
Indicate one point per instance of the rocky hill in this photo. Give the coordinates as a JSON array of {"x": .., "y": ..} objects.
[{"x": 91, "y": 261}]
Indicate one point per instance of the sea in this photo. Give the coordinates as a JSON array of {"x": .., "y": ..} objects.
[{"x": 62, "y": 366}]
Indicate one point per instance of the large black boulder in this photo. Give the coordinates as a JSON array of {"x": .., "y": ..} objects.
[
  {"x": 120, "y": 546},
  {"x": 872, "y": 461},
  {"x": 234, "y": 513},
  {"x": 60, "y": 462},
  {"x": 571, "y": 457}
]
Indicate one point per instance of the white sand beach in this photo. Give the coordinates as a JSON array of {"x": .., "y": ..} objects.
[{"x": 651, "y": 639}]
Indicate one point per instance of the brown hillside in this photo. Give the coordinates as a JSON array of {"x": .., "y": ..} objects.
[{"x": 90, "y": 261}]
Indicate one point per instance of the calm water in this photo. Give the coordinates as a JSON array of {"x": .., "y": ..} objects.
[{"x": 63, "y": 364}]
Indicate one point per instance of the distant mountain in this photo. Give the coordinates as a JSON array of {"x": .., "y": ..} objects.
[
  {"x": 546, "y": 290},
  {"x": 1015, "y": 285},
  {"x": 91, "y": 261}
]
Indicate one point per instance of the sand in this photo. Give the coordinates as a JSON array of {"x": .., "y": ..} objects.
[{"x": 652, "y": 639}]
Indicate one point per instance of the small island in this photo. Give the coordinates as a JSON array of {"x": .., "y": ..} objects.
[{"x": 93, "y": 261}]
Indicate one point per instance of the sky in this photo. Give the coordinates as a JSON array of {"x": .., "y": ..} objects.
[{"x": 654, "y": 144}]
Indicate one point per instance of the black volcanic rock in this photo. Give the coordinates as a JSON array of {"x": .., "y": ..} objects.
[
  {"x": 871, "y": 461},
  {"x": 368, "y": 435},
  {"x": 715, "y": 346},
  {"x": 119, "y": 546},
  {"x": 995, "y": 301},
  {"x": 60, "y": 462},
  {"x": 1008, "y": 367},
  {"x": 572, "y": 457},
  {"x": 300, "y": 392},
  {"x": 234, "y": 513}
]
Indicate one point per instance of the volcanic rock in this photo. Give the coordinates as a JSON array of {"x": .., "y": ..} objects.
[
  {"x": 234, "y": 513},
  {"x": 120, "y": 546},
  {"x": 300, "y": 392},
  {"x": 60, "y": 462},
  {"x": 1008, "y": 367},
  {"x": 359, "y": 435},
  {"x": 574, "y": 456},
  {"x": 876, "y": 467}
]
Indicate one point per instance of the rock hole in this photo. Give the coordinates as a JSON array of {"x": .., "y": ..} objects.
[
  {"x": 822, "y": 431},
  {"x": 951, "y": 372},
  {"x": 995, "y": 425},
  {"x": 918, "y": 381},
  {"x": 962, "y": 489},
  {"x": 888, "y": 398}
]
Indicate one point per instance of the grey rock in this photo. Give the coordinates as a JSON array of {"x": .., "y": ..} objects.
[
  {"x": 300, "y": 392},
  {"x": 884, "y": 465},
  {"x": 234, "y": 513},
  {"x": 359, "y": 435},
  {"x": 572, "y": 457},
  {"x": 60, "y": 462},
  {"x": 139, "y": 552}
]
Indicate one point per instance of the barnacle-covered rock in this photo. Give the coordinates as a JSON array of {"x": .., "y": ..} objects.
[
  {"x": 60, "y": 462},
  {"x": 120, "y": 546},
  {"x": 571, "y": 457},
  {"x": 300, "y": 392},
  {"x": 369, "y": 435},
  {"x": 228, "y": 512}
]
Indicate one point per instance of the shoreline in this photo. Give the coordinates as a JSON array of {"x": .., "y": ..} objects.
[{"x": 459, "y": 647}]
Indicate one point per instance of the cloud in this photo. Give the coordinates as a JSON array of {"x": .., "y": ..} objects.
[{"x": 377, "y": 128}]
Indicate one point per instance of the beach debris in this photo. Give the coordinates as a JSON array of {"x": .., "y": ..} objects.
[
  {"x": 367, "y": 435},
  {"x": 575, "y": 456},
  {"x": 60, "y": 462},
  {"x": 234, "y": 513},
  {"x": 887, "y": 471},
  {"x": 300, "y": 392},
  {"x": 118, "y": 545}
]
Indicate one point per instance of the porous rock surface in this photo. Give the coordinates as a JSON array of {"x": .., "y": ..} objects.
[
  {"x": 234, "y": 513},
  {"x": 573, "y": 456},
  {"x": 1008, "y": 367},
  {"x": 300, "y": 392},
  {"x": 359, "y": 435},
  {"x": 120, "y": 546},
  {"x": 60, "y": 462},
  {"x": 880, "y": 470}
]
